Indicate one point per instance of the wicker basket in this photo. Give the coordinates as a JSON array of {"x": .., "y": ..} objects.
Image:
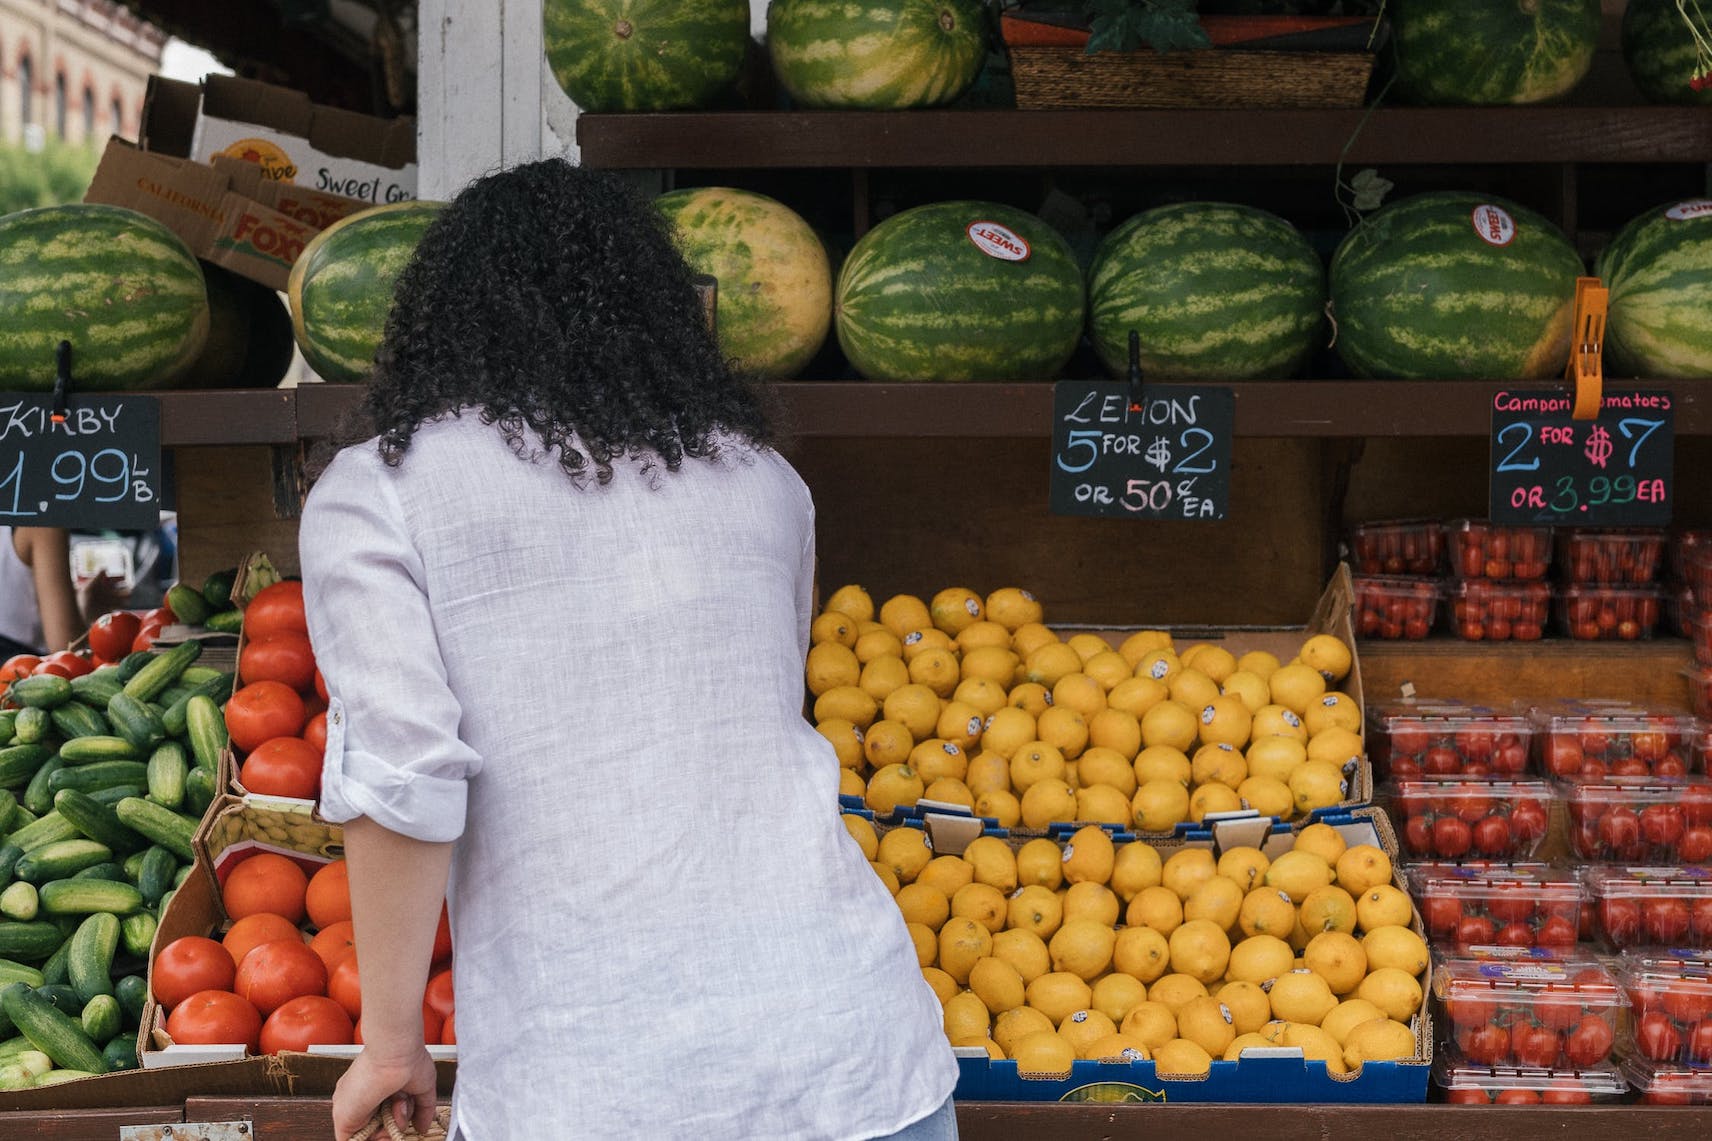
[{"x": 1058, "y": 78}]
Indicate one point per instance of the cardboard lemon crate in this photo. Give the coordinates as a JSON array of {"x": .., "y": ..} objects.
[{"x": 1273, "y": 1075}]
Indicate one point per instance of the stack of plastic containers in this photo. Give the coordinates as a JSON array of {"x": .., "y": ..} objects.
[
  {"x": 1670, "y": 1009},
  {"x": 1499, "y": 592},
  {"x": 1609, "y": 583},
  {"x": 1397, "y": 566},
  {"x": 1691, "y": 608}
]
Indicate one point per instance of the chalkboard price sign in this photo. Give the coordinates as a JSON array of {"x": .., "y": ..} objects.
[
  {"x": 1548, "y": 467},
  {"x": 1165, "y": 454},
  {"x": 97, "y": 467}
]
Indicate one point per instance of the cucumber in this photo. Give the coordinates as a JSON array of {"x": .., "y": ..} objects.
[
  {"x": 217, "y": 588},
  {"x": 131, "y": 664},
  {"x": 206, "y": 728},
  {"x": 38, "y": 797},
  {"x": 200, "y": 789},
  {"x": 172, "y": 694},
  {"x": 97, "y": 689},
  {"x": 120, "y": 1053},
  {"x": 96, "y": 821},
  {"x": 29, "y": 942},
  {"x": 99, "y": 775},
  {"x": 133, "y": 865},
  {"x": 11, "y": 1047},
  {"x": 20, "y": 763},
  {"x": 54, "y": 969},
  {"x": 74, "y": 719},
  {"x": 225, "y": 621},
  {"x": 186, "y": 604},
  {"x": 65, "y": 1074},
  {"x": 114, "y": 794},
  {"x": 8, "y": 805},
  {"x": 102, "y": 1019},
  {"x": 14, "y": 1076},
  {"x": 63, "y": 997},
  {"x": 11, "y": 972},
  {"x": 135, "y": 721},
  {"x": 132, "y": 992},
  {"x": 89, "y": 963},
  {"x": 20, "y": 817},
  {"x": 155, "y": 875},
  {"x": 219, "y": 688},
  {"x": 47, "y": 830},
  {"x": 86, "y": 750},
  {"x": 162, "y": 825},
  {"x": 31, "y": 725},
  {"x": 8, "y": 723},
  {"x": 36, "y": 1062},
  {"x": 137, "y": 934},
  {"x": 162, "y": 671},
  {"x": 60, "y": 860},
  {"x": 18, "y": 903},
  {"x": 167, "y": 769},
  {"x": 181, "y": 875},
  {"x": 84, "y": 897},
  {"x": 10, "y": 854},
  {"x": 51, "y": 1031},
  {"x": 110, "y": 870},
  {"x": 40, "y": 691}
]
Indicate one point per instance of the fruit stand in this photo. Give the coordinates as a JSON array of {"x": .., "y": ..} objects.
[{"x": 920, "y": 486}]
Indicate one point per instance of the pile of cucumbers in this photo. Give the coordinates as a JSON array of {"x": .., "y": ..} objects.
[{"x": 103, "y": 781}]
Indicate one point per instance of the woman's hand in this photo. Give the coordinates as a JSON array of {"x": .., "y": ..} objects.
[{"x": 372, "y": 1081}]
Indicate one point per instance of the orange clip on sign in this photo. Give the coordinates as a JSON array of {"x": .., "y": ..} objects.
[{"x": 1586, "y": 368}]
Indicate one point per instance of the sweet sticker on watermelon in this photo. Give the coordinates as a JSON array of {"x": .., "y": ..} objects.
[
  {"x": 1494, "y": 225},
  {"x": 998, "y": 241},
  {"x": 1687, "y": 211}
]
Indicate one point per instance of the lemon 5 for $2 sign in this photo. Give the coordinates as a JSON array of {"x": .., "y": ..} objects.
[{"x": 1162, "y": 454}]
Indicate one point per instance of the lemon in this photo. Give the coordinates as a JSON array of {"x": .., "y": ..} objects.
[
  {"x": 1273, "y": 1032},
  {"x": 1013, "y": 607},
  {"x": 1247, "y": 688},
  {"x": 832, "y": 626},
  {"x": 1141, "y": 953},
  {"x": 992, "y": 862},
  {"x": 1169, "y": 723},
  {"x": 926, "y": 943},
  {"x": 1338, "y": 958},
  {"x": 1277, "y": 721},
  {"x": 891, "y": 786},
  {"x": 936, "y": 758},
  {"x": 1397, "y": 947},
  {"x": 1393, "y": 991},
  {"x": 1173, "y": 990},
  {"x": 1180, "y": 1058},
  {"x": 1093, "y": 901},
  {"x": 1208, "y": 1023},
  {"x": 1035, "y": 909},
  {"x": 947, "y": 873},
  {"x": 938, "y": 670},
  {"x": 877, "y": 644},
  {"x": 1328, "y": 656},
  {"x": 914, "y": 706},
  {"x": 924, "y": 904},
  {"x": 1102, "y": 765},
  {"x": 983, "y": 903},
  {"x": 1043, "y": 1054},
  {"x": 831, "y": 665},
  {"x": 861, "y": 830},
  {"x": 1023, "y": 950},
  {"x": 1259, "y": 663},
  {"x": 1163, "y": 762},
  {"x": 1193, "y": 688},
  {"x": 1119, "y": 1047},
  {"x": 1089, "y": 856},
  {"x": 1259, "y": 958},
  {"x": 1085, "y": 1027},
  {"x": 1378, "y": 1040},
  {"x": 1143, "y": 642},
  {"x": 850, "y": 783},
  {"x": 1161, "y": 665},
  {"x": 1187, "y": 869},
  {"x": 906, "y": 851},
  {"x": 1048, "y": 662},
  {"x": 966, "y": 1016},
  {"x": 1156, "y": 907},
  {"x": 1384, "y": 906},
  {"x": 882, "y": 676},
  {"x": 1109, "y": 669},
  {"x": 985, "y": 696},
  {"x": 1332, "y": 711},
  {"x": 1013, "y": 1025},
  {"x": 1059, "y": 994},
  {"x": 918, "y": 643},
  {"x": 1266, "y": 911},
  {"x": 1323, "y": 841},
  {"x": 1088, "y": 645},
  {"x": 1160, "y": 805},
  {"x": 949, "y": 790},
  {"x": 960, "y": 723},
  {"x": 1064, "y": 729},
  {"x": 999, "y": 805},
  {"x": 994, "y": 664},
  {"x": 944, "y": 986},
  {"x": 1347, "y": 1015},
  {"x": 1226, "y": 721},
  {"x": 1153, "y": 1023},
  {"x": 997, "y": 984},
  {"x": 1340, "y": 747},
  {"x": 1200, "y": 949},
  {"x": 1137, "y": 695},
  {"x": 1267, "y": 796},
  {"x": 1118, "y": 731},
  {"x": 1135, "y": 867},
  {"x": 1213, "y": 798},
  {"x": 887, "y": 876},
  {"x": 1031, "y": 697},
  {"x": 1300, "y": 996},
  {"x": 886, "y": 743},
  {"x": 993, "y": 1052},
  {"x": 1294, "y": 686},
  {"x": 1007, "y": 731},
  {"x": 1040, "y": 861},
  {"x": 1316, "y": 1046},
  {"x": 1316, "y": 785},
  {"x": 1116, "y": 994},
  {"x": 1363, "y": 868},
  {"x": 1079, "y": 692},
  {"x": 1030, "y": 636},
  {"x": 983, "y": 633},
  {"x": 1328, "y": 908},
  {"x": 1248, "y": 1004},
  {"x": 961, "y": 942},
  {"x": 1046, "y": 802},
  {"x": 1241, "y": 1042},
  {"x": 1218, "y": 763},
  {"x": 1275, "y": 757},
  {"x": 1083, "y": 947},
  {"x": 902, "y": 613},
  {"x": 846, "y": 703},
  {"x": 1216, "y": 901},
  {"x": 853, "y": 601}
]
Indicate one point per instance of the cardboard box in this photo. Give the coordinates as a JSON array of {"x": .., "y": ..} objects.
[
  {"x": 197, "y": 203},
  {"x": 310, "y": 207},
  {"x": 289, "y": 138}
]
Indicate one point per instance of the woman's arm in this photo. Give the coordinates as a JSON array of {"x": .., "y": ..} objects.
[{"x": 49, "y": 555}]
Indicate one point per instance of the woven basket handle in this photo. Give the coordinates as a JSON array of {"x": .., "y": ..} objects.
[{"x": 383, "y": 1120}]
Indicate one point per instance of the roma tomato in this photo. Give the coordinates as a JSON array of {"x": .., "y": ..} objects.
[
  {"x": 305, "y": 1021},
  {"x": 283, "y": 766},
  {"x": 112, "y": 634},
  {"x": 284, "y": 658},
  {"x": 262, "y": 711},
  {"x": 187, "y": 965},
  {"x": 215, "y": 1016},
  {"x": 277, "y": 609},
  {"x": 273, "y": 974}
]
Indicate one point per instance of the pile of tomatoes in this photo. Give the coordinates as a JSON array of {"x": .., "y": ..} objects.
[
  {"x": 1610, "y": 558},
  {"x": 1485, "y": 610},
  {"x": 1509, "y": 905},
  {"x": 1606, "y": 613},
  {"x": 1487, "y": 550},
  {"x": 1402, "y": 547},
  {"x": 1641, "y": 820},
  {"x": 1393, "y": 608},
  {"x": 1662, "y": 907},
  {"x": 1537, "y": 1010},
  {"x": 1450, "y": 739},
  {"x": 111, "y": 638},
  {"x": 283, "y": 976},
  {"x": 1452, "y": 818},
  {"x": 1670, "y": 999},
  {"x": 1624, "y": 743},
  {"x": 277, "y": 717}
]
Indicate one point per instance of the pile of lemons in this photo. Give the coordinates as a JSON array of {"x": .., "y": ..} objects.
[
  {"x": 1025, "y": 948},
  {"x": 976, "y": 702}
]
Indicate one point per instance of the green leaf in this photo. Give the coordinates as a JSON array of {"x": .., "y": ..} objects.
[
  {"x": 1126, "y": 25},
  {"x": 1370, "y": 189}
]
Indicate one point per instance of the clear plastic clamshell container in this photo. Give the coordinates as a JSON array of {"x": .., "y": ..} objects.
[
  {"x": 1477, "y": 818},
  {"x": 1398, "y": 547},
  {"x": 1624, "y": 557},
  {"x": 1492, "y": 610},
  {"x": 1659, "y": 1083},
  {"x": 1641, "y": 820},
  {"x": 1592, "y": 744},
  {"x": 1535, "y": 1008},
  {"x": 1667, "y": 907},
  {"x": 1608, "y": 613},
  {"x": 1479, "y": 549},
  {"x": 1670, "y": 1003},
  {"x": 1448, "y": 739},
  {"x": 1517, "y": 905},
  {"x": 1395, "y": 608},
  {"x": 1467, "y": 1083}
]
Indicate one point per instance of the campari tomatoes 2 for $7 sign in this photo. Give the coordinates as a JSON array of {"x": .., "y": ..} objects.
[{"x": 1550, "y": 468}]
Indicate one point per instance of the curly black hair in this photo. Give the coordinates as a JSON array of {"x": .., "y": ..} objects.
[{"x": 551, "y": 297}]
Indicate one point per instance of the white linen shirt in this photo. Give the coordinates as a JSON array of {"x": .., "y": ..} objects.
[{"x": 661, "y": 927}]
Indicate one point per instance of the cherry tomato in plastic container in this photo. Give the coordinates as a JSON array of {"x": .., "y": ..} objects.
[
  {"x": 1526, "y": 905},
  {"x": 1591, "y": 745},
  {"x": 1396, "y": 608},
  {"x": 1398, "y": 547},
  {"x": 1492, "y": 610},
  {"x": 1466, "y": 1082},
  {"x": 1667, "y": 907},
  {"x": 1462, "y": 818},
  {"x": 1490, "y": 551},
  {"x": 1623, "y": 557},
  {"x": 1608, "y": 613},
  {"x": 1556, "y": 1007},
  {"x": 1644, "y": 820},
  {"x": 1448, "y": 739},
  {"x": 1661, "y": 1083}
]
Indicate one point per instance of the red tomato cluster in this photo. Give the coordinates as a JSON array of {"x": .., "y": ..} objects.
[
  {"x": 1610, "y": 558},
  {"x": 1697, "y": 622},
  {"x": 1460, "y": 741},
  {"x": 1691, "y": 557},
  {"x": 1487, "y": 550},
  {"x": 1592, "y": 748},
  {"x": 1449, "y": 818},
  {"x": 1663, "y": 906},
  {"x": 1484, "y": 1089},
  {"x": 1608, "y": 613},
  {"x": 274, "y": 985},
  {"x": 1642, "y": 820},
  {"x": 1409, "y": 547},
  {"x": 1506, "y": 905},
  {"x": 1395, "y": 607},
  {"x": 1527, "y": 1013},
  {"x": 277, "y": 718},
  {"x": 1670, "y": 1000},
  {"x": 1485, "y": 610}
]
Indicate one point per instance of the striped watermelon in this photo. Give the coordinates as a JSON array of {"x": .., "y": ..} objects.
[
  {"x": 921, "y": 298},
  {"x": 121, "y": 287},
  {"x": 1490, "y": 52},
  {"x": 775, "y": 286},
  {"x": 1451, "y": 285},
  {"x": 341, "y": 286},
  {"x": 645, "y": 55},
  {"x": 877, "y": 54},
  {"x": 1214, "y": 290},
  {"x": 1660, "y": 51},
  {"x": 1659, "y": 271}
]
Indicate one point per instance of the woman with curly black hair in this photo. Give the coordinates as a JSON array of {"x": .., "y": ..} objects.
[{"x": 560, "y": 591}]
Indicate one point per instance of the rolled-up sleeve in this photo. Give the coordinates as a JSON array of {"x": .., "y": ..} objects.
[{"x": 393, "y": 750}]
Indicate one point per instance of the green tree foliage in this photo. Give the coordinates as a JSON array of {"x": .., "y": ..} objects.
[{"x": 57, "y": 174}]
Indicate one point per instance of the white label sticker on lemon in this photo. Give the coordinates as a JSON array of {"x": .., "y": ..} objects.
[
  {"x": 1688, "y": 211},
  {"x": 951, "y": 749},
  {"x": 974, "y": 727},
  {"x": 1069, "y": 850},
  {"x": 1330, "y": 700},
  {"x": 1079, "y": 1017},
  {"x": 998, "y": 241},
  {"x": 1159, "y": 669},
  {"x": 912, "y": 637},
  {"x": 1292, "y": 720},
  {"x": 858, "y": 732},
  {"x": 1494, "y": 225},
  {"x": 1208, "y": 714},
  {"x": 973, "y": 607}
]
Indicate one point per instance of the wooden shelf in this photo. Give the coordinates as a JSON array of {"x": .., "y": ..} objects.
[
  {"x": 1651, "y": 672},
  {"x": 228, "y": 416},
  {"x": 1020, "y": 139}
]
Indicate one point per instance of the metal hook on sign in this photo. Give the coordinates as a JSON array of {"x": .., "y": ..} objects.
[
  {"x": 62, "y": 380},
  {"x": 1135, "y": 404},
  {"x": 1586, "y": 368}
]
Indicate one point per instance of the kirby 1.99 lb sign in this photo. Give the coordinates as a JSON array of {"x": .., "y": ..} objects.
[
  {"x": 1162, "y": 453},
  {"x": 1549, "y": 468},
  {"x": 97, "y": 466}
]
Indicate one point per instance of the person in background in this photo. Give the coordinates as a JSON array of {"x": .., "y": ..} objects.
[
  {"x": 561, "y": 594},
  {"x": 39, "y": 608}
]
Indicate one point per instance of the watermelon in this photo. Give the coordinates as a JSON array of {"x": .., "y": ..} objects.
[
  {"x": 1214, "y": 290},
  {"x": 1659, "y": 271},
  {"x": 341, "y": 285},
  {"x": 1490, "y": 52},
  {"x": 775, "y": 286},
  {"x": 1663, "y": 59},
  {"x": 1449, "y": 284},
  {"x": 121, "y": 287},
  {"x": 876, "y": 54},
  {"x": 960, "y": 291},
  {"x": 645, "y": 55}
]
